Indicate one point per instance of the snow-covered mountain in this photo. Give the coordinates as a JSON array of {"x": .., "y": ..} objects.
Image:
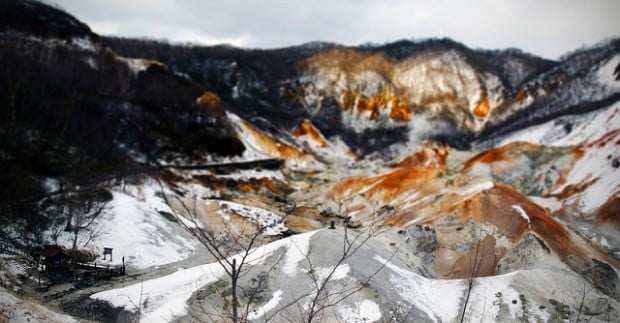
[{"x": 409, "y": 182}]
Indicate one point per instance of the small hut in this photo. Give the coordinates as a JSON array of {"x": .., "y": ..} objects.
[{"x": 56, "y": 257}]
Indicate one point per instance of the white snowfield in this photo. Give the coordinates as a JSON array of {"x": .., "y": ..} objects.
[
  {"x": 165, "y": 298},
  {"x": 132, "y": 226}
]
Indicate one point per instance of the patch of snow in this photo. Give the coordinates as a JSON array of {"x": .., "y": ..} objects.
[
  {"x": 253, "y": 146},
  {"x": 416, "y": 202},
  {"x": 16, "y": 310},
  {"x": 296, "y": 253},
  {"x": 592, "y": 127},
  {"x": 488, "y": 294},
  {"x": 83, "y": 43},
  {"x": 273, "y": 223},
  {"x": 340, "y": 272},
  {"x": 270, "y": 305},
  {"x": 523, "y": 214},
  {"x": 503, "y": 242},
  {"x": 336, "y": 151},
  {"x": 407, "y": 199},
  {"x": 247, "y": 174},
  {"x": 604, "y": 243},
  {"x": 364, "y": 311},
  {"x": 11, "y": 271},
  {"x": 439, "y": 299},
  {"x": 606, "y": 74},
  {"x": 551, "y": 203},
  {"x": 250, "y": 143},
  {"x": 91, "y": 62},
  {"x": 51, "y": 184},
  {"x": 442, "y": 300},
  {"x": 235, "y": 92},
  {"x": 478, "y": 187},
  {"x": 481, "y": 170},
  {"x": 136, "y": 65},
  {"x": 596, "y": 164}
]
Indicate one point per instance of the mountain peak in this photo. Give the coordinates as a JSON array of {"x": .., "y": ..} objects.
[{"x": 41, "y": 20}]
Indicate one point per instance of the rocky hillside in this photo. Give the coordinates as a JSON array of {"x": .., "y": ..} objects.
[
  {"x": 408, "y": 182},
  {"x": 351, "y": 92}
]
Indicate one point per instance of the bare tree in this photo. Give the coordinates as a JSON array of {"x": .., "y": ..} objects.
[
  {"x": 224, "y": 245},
  {"x": 320, "y": 298},
  {"x": 479, "y": 253},
  {"x": 16, "y": 78},
  {"x": 84, "y": 207}
]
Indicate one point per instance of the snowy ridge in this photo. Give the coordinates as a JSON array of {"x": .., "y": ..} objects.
[
  {"x": 264, "y": 146},
  {"x": 510, "y": 296},
  {"x": 595, "y": 134},
  {"x": 570, "y": 130},
  {"x": 167, "y": 296},
  {"x": 438, "y": 299},
  {"x": 596, "y": 164}
]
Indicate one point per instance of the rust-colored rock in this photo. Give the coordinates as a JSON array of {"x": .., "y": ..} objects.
[
  {"x": 272, "y": 146},
  {"x": 609, "y": 212},
  {"x": 503, "y": 153},
  {"x": 388, "y": 186},
  {"x": 483, "y": 108},
  {"x": 209, "y": 100},
  {"x": 306, "y": 128},
  {"x": 431, "y": 156},
  {"x": 479, "y": 261}
]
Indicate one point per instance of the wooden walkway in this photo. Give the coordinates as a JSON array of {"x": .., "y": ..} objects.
[{"x": 94, "y": 270}]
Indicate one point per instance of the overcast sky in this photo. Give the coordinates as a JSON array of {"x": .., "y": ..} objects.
[{"x": 546, "y": 28}]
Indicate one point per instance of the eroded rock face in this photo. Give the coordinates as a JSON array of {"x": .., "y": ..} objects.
[
  {"x": 602, "y": 276},
  {"x": 376, "y": 88},
  {"x": 529, "y": 252}
]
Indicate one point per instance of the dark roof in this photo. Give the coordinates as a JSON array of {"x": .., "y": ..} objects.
[{"x": 51, "y": 251}]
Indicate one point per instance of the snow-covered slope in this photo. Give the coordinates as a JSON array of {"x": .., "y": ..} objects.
[
  {"x": 14, "y": 309},
  {"x": 134, "y": 225},
  {"x": 390, "y": 286},
  {"x": 592, "y": 179}
]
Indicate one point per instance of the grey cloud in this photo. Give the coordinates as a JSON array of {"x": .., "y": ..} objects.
[{"x": 547, "y": 28}]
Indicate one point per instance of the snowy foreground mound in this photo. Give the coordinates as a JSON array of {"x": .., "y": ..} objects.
[{"x": 377, "y": 279}]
